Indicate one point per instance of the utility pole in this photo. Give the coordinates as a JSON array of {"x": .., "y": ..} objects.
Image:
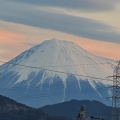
[
  {"x": 116, "y": 93},
  {"x": 81, "y": 115}
]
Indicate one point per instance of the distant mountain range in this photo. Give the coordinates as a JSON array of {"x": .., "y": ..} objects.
[
  {"x": 11, "y": 110},
  {"x": 72, "y": 108},
  {"x": 56, "y": 71}
]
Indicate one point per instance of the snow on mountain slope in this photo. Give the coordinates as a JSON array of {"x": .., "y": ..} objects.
[{"x": 45, "y": 80}]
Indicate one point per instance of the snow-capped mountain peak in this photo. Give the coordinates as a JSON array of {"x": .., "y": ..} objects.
[{"x": 55, "y": 61}]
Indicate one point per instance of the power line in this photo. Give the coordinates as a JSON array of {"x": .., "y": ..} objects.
[
  {"x": 56, "y": 94},
  {"x": 60, "y": 72},
  {"x": 68, "y": 64},
  {"x": 72, "y": 92}
]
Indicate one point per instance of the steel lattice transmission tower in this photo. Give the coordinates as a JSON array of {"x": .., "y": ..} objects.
[{"x": 116, "y": 93}]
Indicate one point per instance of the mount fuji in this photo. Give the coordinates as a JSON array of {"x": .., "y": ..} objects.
[{"x": 56, "y": 71}]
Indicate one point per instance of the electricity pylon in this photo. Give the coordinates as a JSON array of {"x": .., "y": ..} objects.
[{"x": 116, "y": 93}]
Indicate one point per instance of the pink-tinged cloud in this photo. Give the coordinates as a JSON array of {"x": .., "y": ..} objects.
[
  {"x": 8, "y": 35},
  {"x": 99, "y": 48},
  {"x": 10, "y": 44}
]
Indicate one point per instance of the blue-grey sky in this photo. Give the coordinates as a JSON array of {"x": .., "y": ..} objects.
[
  {"x": 26, "y": 14},
  {"x": 84, "y": 5}
]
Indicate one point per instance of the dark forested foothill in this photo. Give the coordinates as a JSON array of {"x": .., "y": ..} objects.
[{"x": 11, "y": 110}]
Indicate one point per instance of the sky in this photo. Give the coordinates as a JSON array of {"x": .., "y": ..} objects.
[{"x": 92, "y": 24}]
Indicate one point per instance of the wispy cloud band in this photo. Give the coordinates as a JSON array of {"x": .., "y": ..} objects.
[
  {"x": 83, "y": 5},
  {"x": 27, "y": 14}
]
